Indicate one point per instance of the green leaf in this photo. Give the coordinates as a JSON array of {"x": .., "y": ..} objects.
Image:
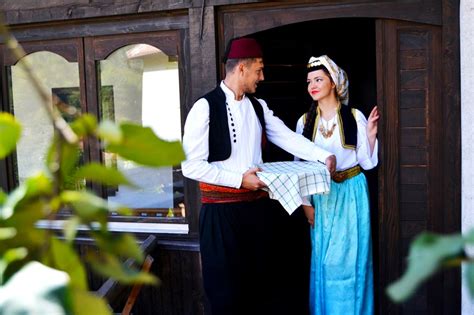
[
  {"x": 70, "y": 228},
  {"x": 23, "y": 208},
  {"x": 100, "y": 174},
  {"x": 110, "y": 132},
  {"x": 109, "y": 266},
  {"x": 427, "y": 253},
  {"x": 84, "y": 125},
  {"x": 28, "y": 213},
  {"x": 86, "y": 303},
  {"x": 7, "y": 233},
  {"x": 14, "y": 254},
  {"x": 11, "y": 255},
  {"x": 36, "y": 289},
  {"x": 470, "y": 237},
  {"x": 33, "y": 240},
  {"x": 24, "y": 219},
  {"x": 122, "y": 245},
  {"x": 3, "y": 197},
  {"x": 66, "y": 259},
  {"x": 141, "y": 145},
  {"x": 123, "y": 210},
  {"x": 69, "y": 158},
  {"x": 10, "y": 131},
  {"x": 34, "y": 187},
  {"x": 470, "y": 278},
  {"x": 88, "y": 207}
]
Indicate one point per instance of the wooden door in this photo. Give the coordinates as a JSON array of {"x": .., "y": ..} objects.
[{"x": 409, "y": 91}]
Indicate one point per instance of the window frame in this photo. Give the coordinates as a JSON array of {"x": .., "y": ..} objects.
[
  {"x": 100, "y": 48},
  {"x": 91, "y": 40},
  {"x": 69, "y": 49}
]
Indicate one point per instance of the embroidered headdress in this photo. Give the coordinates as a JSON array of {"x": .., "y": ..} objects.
[{"x": 338, "y": 76}]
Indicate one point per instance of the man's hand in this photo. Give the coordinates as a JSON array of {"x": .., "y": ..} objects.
[
  {"x": 331, "y": 164},
  {"x": 251, "y": 181},
  {"x": 309, "y": 213}
]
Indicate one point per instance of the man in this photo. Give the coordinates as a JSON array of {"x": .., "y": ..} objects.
[{"x": 241, "y": 238}]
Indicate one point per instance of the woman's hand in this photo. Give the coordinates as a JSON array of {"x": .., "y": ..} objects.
[
  {"x": 372, "y": 126},
  {"x": 331, "y": 163},
  {"x": 309, "y": 213},
  {"x": 372, "y": 123}
]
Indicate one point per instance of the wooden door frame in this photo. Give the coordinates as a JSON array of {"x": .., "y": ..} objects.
[
  {"x": 241, "y": 20},
  {"x": 420, "y": 170}
]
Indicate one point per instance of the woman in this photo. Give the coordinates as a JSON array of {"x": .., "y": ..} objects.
[{"x": 341, "y": 279}]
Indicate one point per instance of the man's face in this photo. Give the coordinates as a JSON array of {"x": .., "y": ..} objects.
[{"x": 252, "y": 74}]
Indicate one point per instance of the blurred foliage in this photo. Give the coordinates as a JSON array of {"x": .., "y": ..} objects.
[
  {"x": 25, "y": 248},
  {"x": 428, "y": 254}
]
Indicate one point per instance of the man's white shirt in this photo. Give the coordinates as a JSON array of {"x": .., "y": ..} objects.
[{"x": 246, "y": 151}]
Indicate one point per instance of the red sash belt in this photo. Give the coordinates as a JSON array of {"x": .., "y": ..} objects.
[{"x": 221, "y": 194}]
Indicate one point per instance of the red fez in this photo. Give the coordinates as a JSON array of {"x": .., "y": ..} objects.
[{"x": 244, "y": 48}]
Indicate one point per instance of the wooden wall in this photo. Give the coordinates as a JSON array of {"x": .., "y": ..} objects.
[{"x": 180, "y": 291}]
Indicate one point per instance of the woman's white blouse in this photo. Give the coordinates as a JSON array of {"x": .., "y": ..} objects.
[{"x": 345, "y": 158}]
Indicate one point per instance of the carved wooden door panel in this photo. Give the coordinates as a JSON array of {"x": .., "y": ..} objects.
[{"x": 409, "y": 92}]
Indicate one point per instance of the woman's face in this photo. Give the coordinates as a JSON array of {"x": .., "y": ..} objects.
[{"x": 320, "y": 85}]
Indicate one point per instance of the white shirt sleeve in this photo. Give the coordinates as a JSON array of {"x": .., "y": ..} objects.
[
  {"x": 279, "y": 134},
  {"x": 299, "y": 130},
  {"x": 366, "y": 160},
  {"x": 196, "y": 147},
  {"x": 305, "y": 201},
  {"x": 300, "y": 126}
]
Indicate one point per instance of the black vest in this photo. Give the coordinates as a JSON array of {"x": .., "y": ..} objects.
[
  {"x": 349, "y": 127},
  {"x": 219, "y": 135}
]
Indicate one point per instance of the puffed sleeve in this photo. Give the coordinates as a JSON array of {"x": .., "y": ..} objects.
[
  {"x": 300, "y": 125},
  {"x": 366, "y": 160}
]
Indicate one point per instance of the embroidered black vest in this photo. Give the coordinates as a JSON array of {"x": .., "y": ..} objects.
[
  {"x": 347, "y": 126},
  {"x": 219, "y": 135}
]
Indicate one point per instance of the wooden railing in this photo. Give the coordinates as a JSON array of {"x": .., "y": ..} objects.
[{"x": 112, "y": 290}]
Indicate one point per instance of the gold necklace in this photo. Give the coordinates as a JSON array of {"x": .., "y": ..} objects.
[{"x": 325, "y": 131}]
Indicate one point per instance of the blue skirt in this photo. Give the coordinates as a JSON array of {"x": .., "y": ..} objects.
[{"x": 341, "y": 276}]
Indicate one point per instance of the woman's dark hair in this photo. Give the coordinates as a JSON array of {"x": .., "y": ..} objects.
[
  {"x": 311, "y": 114},
  {"x": 309, "y": 121}
]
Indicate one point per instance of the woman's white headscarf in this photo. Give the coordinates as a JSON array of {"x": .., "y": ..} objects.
[{"x": 338, "y": 76}]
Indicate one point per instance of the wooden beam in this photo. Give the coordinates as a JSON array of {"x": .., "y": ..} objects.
[
  {"x": 259, "y": 17},
  {"x": 452, "y": 143},
  {"x": 136, "y": 24},
  {"x": 203, "y": 47}
]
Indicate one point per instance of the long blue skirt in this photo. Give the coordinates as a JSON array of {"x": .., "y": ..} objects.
[{"x": 341, "y": 276}]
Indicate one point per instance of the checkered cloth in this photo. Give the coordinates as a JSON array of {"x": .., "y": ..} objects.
[{"x": 287, "y": 182}]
